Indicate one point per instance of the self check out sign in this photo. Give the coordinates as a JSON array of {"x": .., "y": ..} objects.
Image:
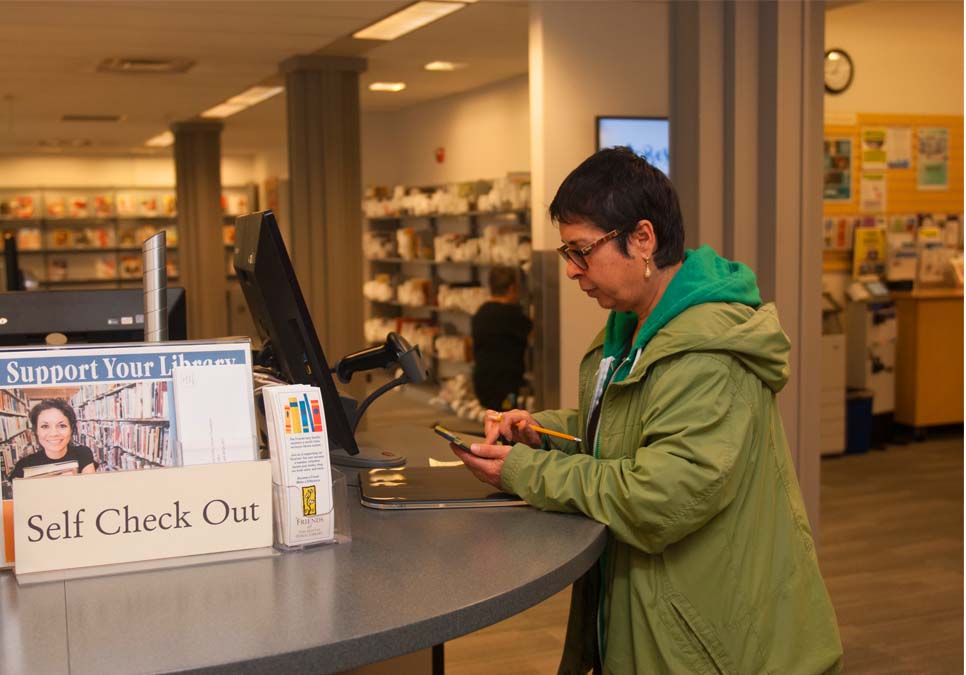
[
  {"x": 124, "y": 521},
  {"x": 65, "y": 522}
]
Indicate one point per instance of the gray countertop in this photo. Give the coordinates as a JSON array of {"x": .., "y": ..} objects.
[{"x": 406, "y": 581}]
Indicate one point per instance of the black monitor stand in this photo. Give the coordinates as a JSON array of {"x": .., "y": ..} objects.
[{"x": 368, "y": 457}]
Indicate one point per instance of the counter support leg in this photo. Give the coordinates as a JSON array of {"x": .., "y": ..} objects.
[{"x": 439, "y": 660}]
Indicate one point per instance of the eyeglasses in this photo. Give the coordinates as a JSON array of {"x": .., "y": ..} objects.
[{"x": 578, "y": 256}]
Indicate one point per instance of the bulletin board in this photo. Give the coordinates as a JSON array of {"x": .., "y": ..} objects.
[{"x": 902, "y": 190}]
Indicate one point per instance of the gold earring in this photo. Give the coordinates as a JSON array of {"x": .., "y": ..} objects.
[{"x": 647, "y": 267}]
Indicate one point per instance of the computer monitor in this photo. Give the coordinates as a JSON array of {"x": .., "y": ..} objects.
[
  {"x": 648, "y": 137},
  {"x": 281, "y": 316},
  {"x": 83, "y": 316}
]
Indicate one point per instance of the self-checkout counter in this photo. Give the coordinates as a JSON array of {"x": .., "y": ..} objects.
[{"x": 408, "y": 581}]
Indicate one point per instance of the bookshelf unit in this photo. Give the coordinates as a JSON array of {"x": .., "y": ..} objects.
[
  {"x": 125, "y": 425},
  {"x": 15, "y": 438},
  {"x": 418, "y": 320},
  {"x": 91, "y": 237}
]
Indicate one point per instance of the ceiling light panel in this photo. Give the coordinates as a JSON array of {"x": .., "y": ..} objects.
[
  {"x": 223, "y": 110},
  {"x": 444, "y": 66},
  {"x": 255, "y": 95},
  {"x": 162, "y": 140},
  {"x": 407, "y": 20},
  {"x": 246, "y": 99},
  {"x": 92, "y": 118},
  {"x": 387, "y": 86},
  {"x": 136, "y": 66}
]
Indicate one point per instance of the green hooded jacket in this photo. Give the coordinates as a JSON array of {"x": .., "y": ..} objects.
[{"x": 710, "y": 565}]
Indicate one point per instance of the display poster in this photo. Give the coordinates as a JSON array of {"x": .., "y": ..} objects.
[
  {"x": 873, "y": 148},
  {"x": 899, "y": 147},
  {"x": 92, "y": 408},
  {"x": 869, "y": 254},
  {"x": 838, "y": 169},
  {"x": 873, "y": 192},
  {"x": 933, "y": 158}
]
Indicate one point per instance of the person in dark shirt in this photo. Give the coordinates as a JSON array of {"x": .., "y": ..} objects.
[
  {"x": 54, "y": 424},
  {"x": 500, "y": 330}
]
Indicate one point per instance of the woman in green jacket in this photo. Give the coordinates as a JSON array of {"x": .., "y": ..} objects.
[{"x": 710, "y": 565}]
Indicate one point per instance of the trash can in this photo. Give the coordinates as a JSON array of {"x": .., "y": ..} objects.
[{"x": 858, "y": 420}]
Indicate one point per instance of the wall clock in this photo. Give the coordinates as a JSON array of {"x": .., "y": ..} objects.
[{"x": 838, "y": 71}]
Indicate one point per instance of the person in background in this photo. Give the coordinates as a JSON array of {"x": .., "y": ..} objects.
[
  {"x": 54, "y": 425},
  {"x": 500, "y": 331},
  {"x": 710, "y": 565}
]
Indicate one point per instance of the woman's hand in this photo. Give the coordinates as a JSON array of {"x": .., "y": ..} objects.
[
  {"x": 485, "y": 462},
  {"x": 513, "y": 425}
]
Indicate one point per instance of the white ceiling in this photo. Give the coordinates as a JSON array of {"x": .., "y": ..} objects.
[{"x": 49, "y": 52}]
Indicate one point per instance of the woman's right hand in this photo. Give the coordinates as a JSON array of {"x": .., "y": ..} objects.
[{"x": 513, "y": 425}]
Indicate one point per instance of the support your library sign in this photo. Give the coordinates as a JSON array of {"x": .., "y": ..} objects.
[{"x": 66, "y": 522}]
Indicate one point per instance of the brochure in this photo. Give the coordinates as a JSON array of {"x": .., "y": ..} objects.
[
  {"x": 113, "y": 407},
  {"x": 301, "y": 472}
]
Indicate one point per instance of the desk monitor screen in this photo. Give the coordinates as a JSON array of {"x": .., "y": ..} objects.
[
  {"x": 278, "y": 307},
  {"x": 648, "y": 137},
  {"x": 83, "y": 316}
]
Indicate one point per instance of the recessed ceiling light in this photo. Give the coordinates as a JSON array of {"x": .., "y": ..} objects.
[
  {"x": 407, "y": 20},
  {"x": 387, "y": 86},
  {"x": 444, "y": 65},
  {"x": 145, "y": 66},
  {"x": 162, "y": 140}
]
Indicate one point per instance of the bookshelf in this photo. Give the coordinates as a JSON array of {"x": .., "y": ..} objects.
[
  {"x": 91, "y": 237},
  {"x": 429, "y": 296},
  {"x": 125, "y": 425},
  {"x": 15, "y": 438}
]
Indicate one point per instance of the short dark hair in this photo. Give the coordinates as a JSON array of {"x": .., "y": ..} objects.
[
  {"x": 613, "y": 189},
  {"x": 502, "y": 279},
  {"x": 54, "y": 404}
]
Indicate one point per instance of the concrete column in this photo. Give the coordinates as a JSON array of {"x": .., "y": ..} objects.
[
  {"x": 201, "y": 252},
  {"x": 752, "y": 181},
  {"x": 322, "y": 97}
]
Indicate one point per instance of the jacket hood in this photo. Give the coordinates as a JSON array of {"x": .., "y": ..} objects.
[
  {"x": 704, "y": 277},
  {"x": 754, "y": 336},
  {"x": 711, "y": 304}
]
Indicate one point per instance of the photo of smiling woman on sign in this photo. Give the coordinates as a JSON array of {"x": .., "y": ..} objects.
[{"x": 54, "y": 426}]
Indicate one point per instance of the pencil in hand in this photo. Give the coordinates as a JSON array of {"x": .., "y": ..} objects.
[{"x": 539, "y": 429}]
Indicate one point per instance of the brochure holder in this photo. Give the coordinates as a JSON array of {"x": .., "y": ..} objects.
[{"x": 342, "y": 528}]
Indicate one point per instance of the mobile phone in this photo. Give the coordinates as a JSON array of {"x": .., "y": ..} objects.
[{"x": 451, "y": 437}]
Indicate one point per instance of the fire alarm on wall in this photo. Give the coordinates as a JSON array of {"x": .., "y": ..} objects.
[{"x": 440, "y": 155}]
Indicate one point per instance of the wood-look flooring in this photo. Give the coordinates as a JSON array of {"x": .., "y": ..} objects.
[{"x": 891, "y": 551}]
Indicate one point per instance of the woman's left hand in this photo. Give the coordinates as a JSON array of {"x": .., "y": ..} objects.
[{"x": 485, "y": 462}]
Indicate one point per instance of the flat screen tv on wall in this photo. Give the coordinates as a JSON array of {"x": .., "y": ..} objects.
[{"x": 649, "y": 137}]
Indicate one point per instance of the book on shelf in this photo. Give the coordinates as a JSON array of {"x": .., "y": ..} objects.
[
  {"x": 55, "y": 469},
  {"x": 126, "y": 406}
]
